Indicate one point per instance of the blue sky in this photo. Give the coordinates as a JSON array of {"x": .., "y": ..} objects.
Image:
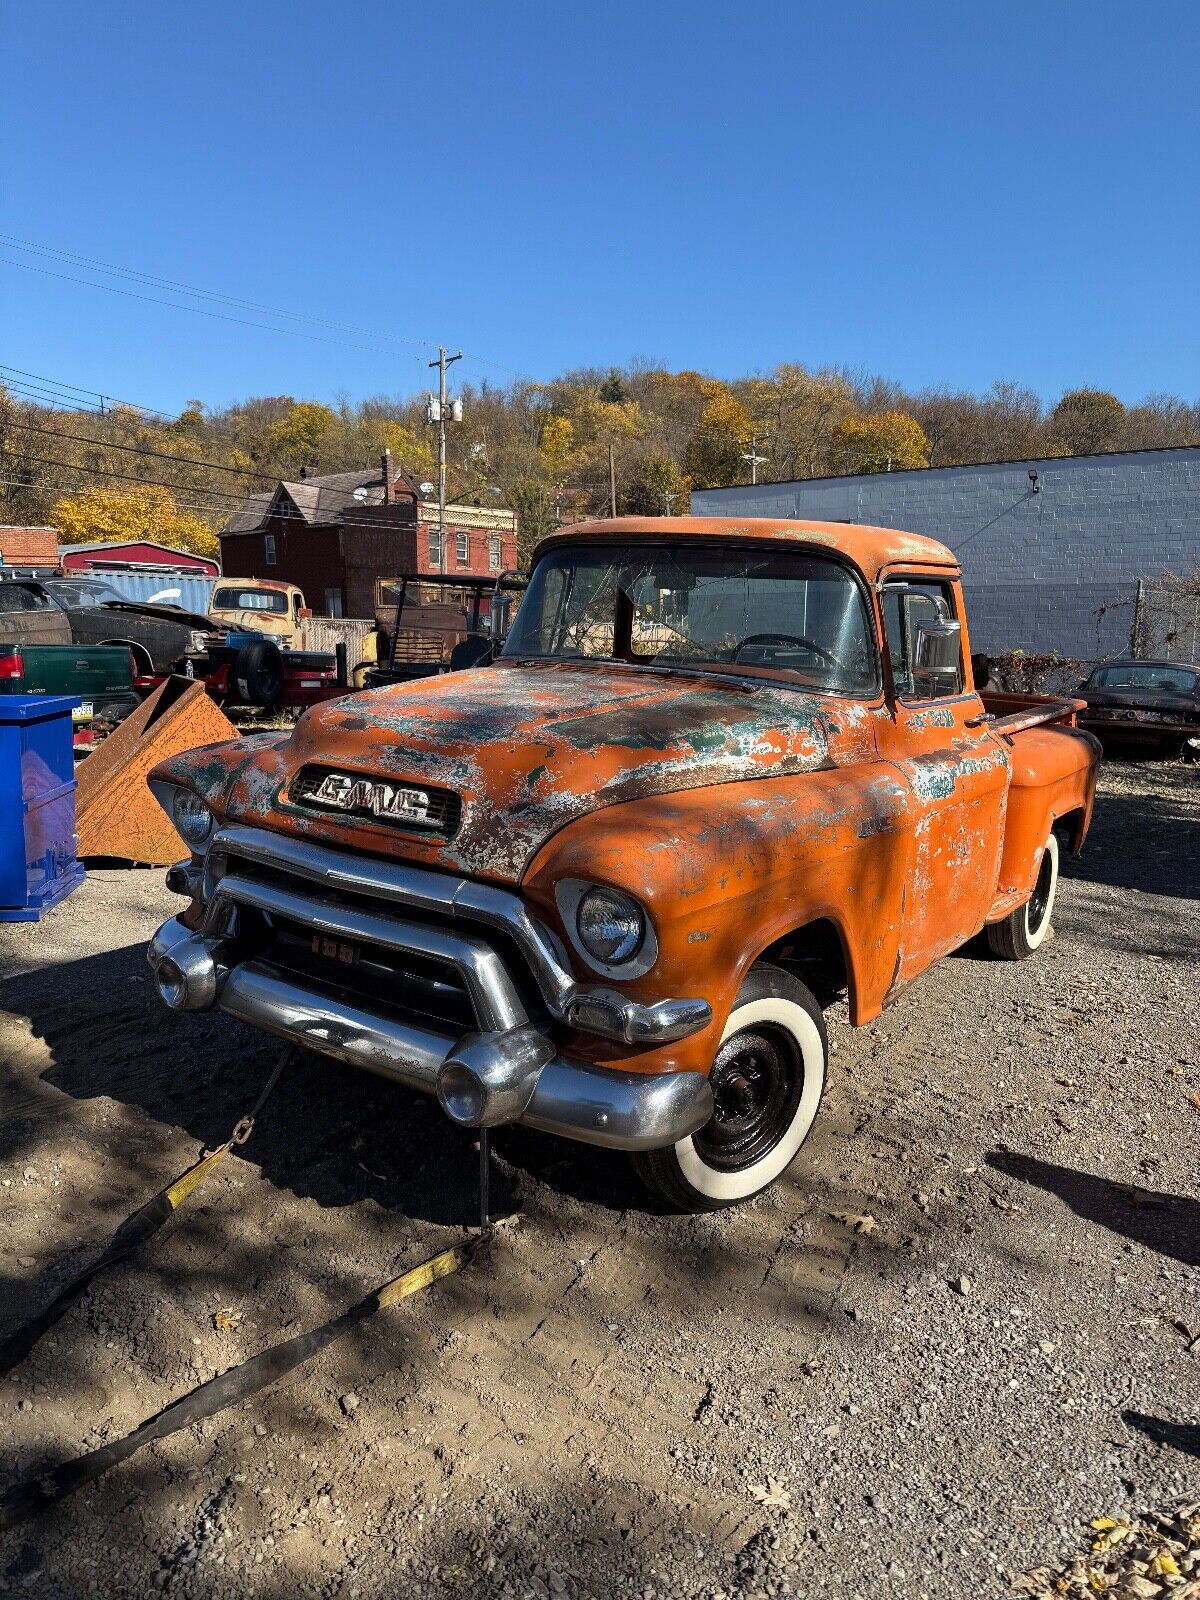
[{"x": 944, "y": 193}]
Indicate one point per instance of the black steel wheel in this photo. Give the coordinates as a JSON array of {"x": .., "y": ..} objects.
[{"x": 767, "y": 1079}]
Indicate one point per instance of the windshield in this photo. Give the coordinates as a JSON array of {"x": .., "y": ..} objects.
[
  {"x": 750, "y": 610},
  {"x": 82, "y": 592},
  {"x": 249, "y": 600},
  {"x": 1144, "y": 675}
]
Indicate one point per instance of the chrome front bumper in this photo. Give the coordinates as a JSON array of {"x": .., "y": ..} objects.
[{"x": 505, "y": 1069}]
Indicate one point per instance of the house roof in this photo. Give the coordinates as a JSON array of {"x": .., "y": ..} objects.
[{"x": 318, "y": 499}]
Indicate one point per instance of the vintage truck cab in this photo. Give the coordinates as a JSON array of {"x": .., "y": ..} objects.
[{"x": 721, "y": 773}]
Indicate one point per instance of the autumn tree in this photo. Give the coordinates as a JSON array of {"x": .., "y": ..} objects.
[
  {"x": 886, "y": 442},
  {"x": 96, "y": 514},
  {"x": 297, "y": 439},
  {"x": 713, "y": 457},
  {"x": 657, "y": 488},
  {"x": 1087, "y": 421}
]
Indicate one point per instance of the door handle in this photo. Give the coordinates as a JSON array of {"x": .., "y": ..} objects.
[{"x": 978, "y": 722}]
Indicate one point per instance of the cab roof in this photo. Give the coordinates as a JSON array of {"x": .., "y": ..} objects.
[{"x": 871, "y": 549}]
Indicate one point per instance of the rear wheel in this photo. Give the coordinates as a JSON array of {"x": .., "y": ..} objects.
[
  {"x": 1024, "y": 930},
  {"x": 767, "y": 1081}
]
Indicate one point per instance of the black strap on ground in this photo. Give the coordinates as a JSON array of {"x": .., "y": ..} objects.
[
  {"x": 27, "y": 1499},
  {"x": 134, "y": 1231}
]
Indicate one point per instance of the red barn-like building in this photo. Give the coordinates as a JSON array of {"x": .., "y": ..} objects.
[
  {"x": 335, "y": 534},
  {"x": 139, "y": 554}
]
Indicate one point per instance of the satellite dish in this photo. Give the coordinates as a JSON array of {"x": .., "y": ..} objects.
[
  {"x": 426, "y": 488},
  {"x": 360, "y": 494}
]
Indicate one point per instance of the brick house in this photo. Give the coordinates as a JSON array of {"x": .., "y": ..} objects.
[{"x": 334, "y": 534}]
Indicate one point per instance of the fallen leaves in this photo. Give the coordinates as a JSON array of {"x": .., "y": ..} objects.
[
  {"x": 772, "y": 1493},
  {"x": 1157, "y": 1554},
  {"x": 1194, "y": 1100},
  {"x": 226, "y": 1320}
]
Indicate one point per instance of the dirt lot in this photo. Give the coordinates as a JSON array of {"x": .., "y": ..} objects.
[{"x": 771, "y": 1400}]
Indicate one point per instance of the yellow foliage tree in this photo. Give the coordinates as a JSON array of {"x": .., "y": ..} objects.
[
  {"x": 119, "y": 514},
  {"x": 887, "y": 442},
  {"x": 296, "y": 440},
  {"x": 556, "y": 443}
]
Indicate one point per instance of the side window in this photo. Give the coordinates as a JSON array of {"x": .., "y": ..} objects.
[
  {"x": 923, "y": 639},
  {"x": 14, "y": 598},
  {"x": 269, "y": 549}
]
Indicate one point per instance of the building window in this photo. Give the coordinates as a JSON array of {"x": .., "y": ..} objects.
[
  {"x": 463, "y": 549},
  {"x": 494, "y": 552},
  {"x": 333, "y": 602},
  {"x": 269, "y": 548},
  {"x": 435, "y": 550}
]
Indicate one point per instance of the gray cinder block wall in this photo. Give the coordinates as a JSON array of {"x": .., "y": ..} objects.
[{"x": 1037, "y": 568}]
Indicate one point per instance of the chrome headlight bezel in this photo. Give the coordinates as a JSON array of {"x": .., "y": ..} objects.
[{"x": 571, "y": 894}]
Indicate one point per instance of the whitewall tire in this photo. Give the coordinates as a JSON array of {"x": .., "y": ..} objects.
[
  {"x": 1025, "y": 930},
  {"x": 768, "y": 1078}
]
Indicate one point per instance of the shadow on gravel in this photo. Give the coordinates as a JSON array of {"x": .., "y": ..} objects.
[
  {"x": 1166, "y": 1223},
  {"x": 1184, "y": 1436},
  {"x": 1145, "y": 841}
]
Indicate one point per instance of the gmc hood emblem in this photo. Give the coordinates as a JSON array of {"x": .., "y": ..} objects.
[{"x": 375, "y": 797}]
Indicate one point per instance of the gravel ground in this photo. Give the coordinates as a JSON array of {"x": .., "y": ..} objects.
[{"x": 776, "y": 1400}]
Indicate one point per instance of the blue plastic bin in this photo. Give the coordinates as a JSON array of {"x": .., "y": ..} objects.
[{"x": 38, "y": 865}]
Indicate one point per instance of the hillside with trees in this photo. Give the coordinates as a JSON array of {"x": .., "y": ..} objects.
[{"x": 540, "y": 448}]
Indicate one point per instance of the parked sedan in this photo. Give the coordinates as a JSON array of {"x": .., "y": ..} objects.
[
  {"x": 29, "y": 616},
  {"x": 158, "y": 637},
  {"x": 1153, "y": 704}
]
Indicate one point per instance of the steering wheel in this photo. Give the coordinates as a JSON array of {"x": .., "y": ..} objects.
[{"x": 801, "y": 639}]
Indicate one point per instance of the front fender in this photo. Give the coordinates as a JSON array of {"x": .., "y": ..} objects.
[{"x": 726, "y": 871}]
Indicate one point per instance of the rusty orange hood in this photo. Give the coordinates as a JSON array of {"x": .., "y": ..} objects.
[{"x": 526, "y": 749}]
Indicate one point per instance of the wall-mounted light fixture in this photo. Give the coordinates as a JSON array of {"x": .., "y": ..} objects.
[{"x": 1035, "y": 486}]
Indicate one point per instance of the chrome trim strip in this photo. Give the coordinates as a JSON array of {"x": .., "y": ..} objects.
[
  {"x": 417, "y": 887},
  {"x": 463, "y": 900},
  {"x": 493, "y": 995}
]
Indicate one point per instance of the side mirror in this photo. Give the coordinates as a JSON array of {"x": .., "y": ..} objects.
[
  {"x": 499, "y": 616},
  {"x": 939, "y": 647}
]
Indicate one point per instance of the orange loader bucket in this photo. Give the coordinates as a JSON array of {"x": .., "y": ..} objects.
[{"x": 115, "y": 813}]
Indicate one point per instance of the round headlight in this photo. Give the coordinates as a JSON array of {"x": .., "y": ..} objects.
[
  {"x": 611, "y": 926},
  {"x": 192, "y": 817}
]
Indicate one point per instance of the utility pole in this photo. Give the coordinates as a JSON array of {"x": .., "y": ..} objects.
[
  {"x": 753, "y": 457},
  {"x": 436, "y": 412},
  {"x": 612, "y": 482}
]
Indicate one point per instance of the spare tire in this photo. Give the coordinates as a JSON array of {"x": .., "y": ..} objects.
[{"x": 258, "y": 671}]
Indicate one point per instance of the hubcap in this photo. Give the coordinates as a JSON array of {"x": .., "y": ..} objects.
[{"x": 756, "y": 1081}]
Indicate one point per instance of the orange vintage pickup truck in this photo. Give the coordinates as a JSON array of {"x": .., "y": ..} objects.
[{"x": 721, "y": 773}]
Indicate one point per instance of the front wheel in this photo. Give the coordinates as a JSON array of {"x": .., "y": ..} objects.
[
  {"x": 767, "y": 1082},
  {"x": 1024, "y": 930}
]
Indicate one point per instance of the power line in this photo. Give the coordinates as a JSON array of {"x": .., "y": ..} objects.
[
  {"x": 42, "y": 381},
  {"x": 139, "y": 450},
  {"x": 132, "y": 275},
  {"x": 93, "y": 264},
  {"x": 206, "y": 500},
  {"x": 174, "y": 305}
]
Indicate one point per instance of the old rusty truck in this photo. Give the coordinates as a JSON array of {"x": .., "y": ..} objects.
[{"x": 721, "y": 774}]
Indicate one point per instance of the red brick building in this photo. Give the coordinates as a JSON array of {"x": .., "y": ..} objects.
[
  {"x": 28, "y": 549},
  {"x": 335, "y": 534}
]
